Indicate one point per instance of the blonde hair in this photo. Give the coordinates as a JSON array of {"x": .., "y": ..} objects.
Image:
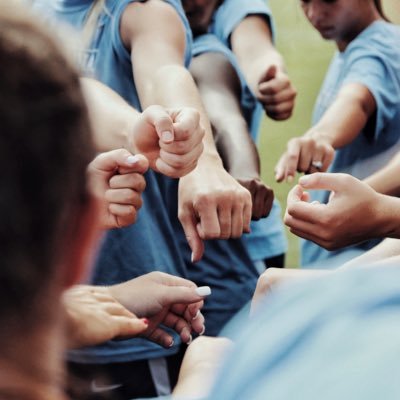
[{"x": 92, "y": 18}]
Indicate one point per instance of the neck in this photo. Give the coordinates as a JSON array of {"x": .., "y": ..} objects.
[
  {"x": 31, "y": 366},
  {"x": 370, "y": 15}
]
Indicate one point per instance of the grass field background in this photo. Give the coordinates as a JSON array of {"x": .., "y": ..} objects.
[{"x": 307, "y": 56}]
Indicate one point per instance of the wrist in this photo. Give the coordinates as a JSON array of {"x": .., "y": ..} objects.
[{"x": 387, "y": 211}]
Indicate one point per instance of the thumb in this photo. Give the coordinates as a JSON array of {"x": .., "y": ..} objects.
[
  {"x": 192, "y": 236},
  {"x": 325, "y": 181},
  {"x": 269, "y": 74},
  {"x": 184, "y": 295},
  {"x": 162, "y": 122},
  {"x": 113, "y": 160}
]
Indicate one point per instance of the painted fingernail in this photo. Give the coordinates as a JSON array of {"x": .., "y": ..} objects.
[
  {"x": 203, "y": 290},
  {"x": 202, "y": 331},
  {"x": 197, "y": 314},
  {"x": 167, "y": 136},
  {"x": 190, "y": 340},
  {"x": 132, "y": 160},
  {"x": 145, "y": 321}
]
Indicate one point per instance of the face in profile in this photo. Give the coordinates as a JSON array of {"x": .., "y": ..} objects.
[
  {"x": 199, "y": 13},
  {"x": 334, "y": 19}
]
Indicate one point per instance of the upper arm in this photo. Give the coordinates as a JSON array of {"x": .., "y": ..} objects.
[
  {"x": 252, "y": 34},
  {"x": 155, "y": 35}
]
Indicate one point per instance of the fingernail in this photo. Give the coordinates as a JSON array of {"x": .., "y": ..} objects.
[
  {"x": 203, "y": 290},
  {"x": 304, "y": 180},
  {"x": 145, "y": 321},
  {"x": 167, "y": 136},
  {"x": 192, "y": 258},
  {"x": 202, "y": 331},
  {"x": 290, "y": 178},
  {"x": 172, "y": 343},
  {"x": 131, "y": 160},
  {"x": 190, "y": 340},
  {"x": 315, "y": 202},
  {"x": 197, "y": 314}
]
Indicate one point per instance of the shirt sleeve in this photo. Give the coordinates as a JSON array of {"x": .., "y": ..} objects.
[
  {"x": 373, "y": 68},
  {"x": 229, "y": 15}
]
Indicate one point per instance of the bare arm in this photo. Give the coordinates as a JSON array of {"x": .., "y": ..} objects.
[
  {"x": 343, "y": 220},
  {"x": 220, "y": 90},
  {"x": 386, "y": 180},
  {"x": 111, "y": 116},
  {"x": 263, "y": 67},
  {"x": 211, "y": 203},
  {"x": 340, "y": 125}
]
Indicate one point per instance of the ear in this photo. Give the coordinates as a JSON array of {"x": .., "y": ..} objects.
[{"x": 83, "y": 243}]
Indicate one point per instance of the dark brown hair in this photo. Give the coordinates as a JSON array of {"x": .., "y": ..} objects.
[
  {"x": 378, "y": 5},
  {"x": 45, "y": 146}
]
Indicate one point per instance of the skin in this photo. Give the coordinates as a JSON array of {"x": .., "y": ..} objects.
[
  {"x": 171, "y": 139},
  {"x": 211, "y": 202},
  {"x": 96, "y": 314},
  {"x": 219, "y": 87},
  {"x": 341, "y": 221},
  {"x": 340, "y": 21},
  {"x": 262, "y": 65},
  {"x": 116, "y": 179}
]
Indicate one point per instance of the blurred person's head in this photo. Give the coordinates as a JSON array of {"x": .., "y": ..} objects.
[
  {"x": 341, "y": 20},
  {"x": 47, "y": 217},
  {"x": 199, "y": 13}
]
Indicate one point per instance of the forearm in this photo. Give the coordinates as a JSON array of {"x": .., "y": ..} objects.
[
  {"x": 386, "y": 180},
  {"x": 377, "y": 255},
  {"x": 387, "y": 213},
  {"x": 346, "y": 117},
  {"x": 253, "y": 46},
  {"x": 236, "y": 148},
  {"x": 110, "y": 115}
]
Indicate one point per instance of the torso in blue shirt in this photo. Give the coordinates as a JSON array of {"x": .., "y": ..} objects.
[
  {"x": 267, "y": 238},
  {"x": 336, "y": 337},
  {"x": 157, "y": 240},
  {"x": 373, "y": 60},
  {"x": 148, "y": 244}
]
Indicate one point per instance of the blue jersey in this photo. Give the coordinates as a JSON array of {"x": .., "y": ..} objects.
[
  {"x": 336, "y": 337},
  {"x": 372, "y": 60},
  {"x": 148, "y": 244},
  {"x": 231, "y": 12},
  {"x": 156, "y": 241},
  {"x": 267, "y": 238}
]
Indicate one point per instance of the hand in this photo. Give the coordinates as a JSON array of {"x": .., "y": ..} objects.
[
  {"x": 200, "y": 365},
  {"x": 350, "y": 216},
  {"x": 93, "y": 316},
  {"x": 172, "y": 140},
  {"x": 276, "y": 93},
  {"x": 116, "y": 179},
  {"x": 164, "y": 300},
  {"x": 262, "y": 196},
  {"x": 304, "y": 154},
  {"x": 273, "y": 277},
  {"x": 212, "y": 205}
]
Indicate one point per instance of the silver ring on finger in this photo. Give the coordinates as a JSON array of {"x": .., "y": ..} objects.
[{"x": 317, "y": 164}]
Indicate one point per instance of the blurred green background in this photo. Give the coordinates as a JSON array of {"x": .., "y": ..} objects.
[{"x": 307, "y": 56}]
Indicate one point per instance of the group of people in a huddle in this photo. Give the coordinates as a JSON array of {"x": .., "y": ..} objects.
[{"x": 137, "y": 234}]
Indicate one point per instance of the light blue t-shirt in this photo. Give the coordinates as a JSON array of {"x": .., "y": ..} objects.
[
  {"x": 148, "y": 244},
  {"x": 336, "y": 337},
  {"x": 373, "y": 60},
  {"x": 267, "y": 238}
]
